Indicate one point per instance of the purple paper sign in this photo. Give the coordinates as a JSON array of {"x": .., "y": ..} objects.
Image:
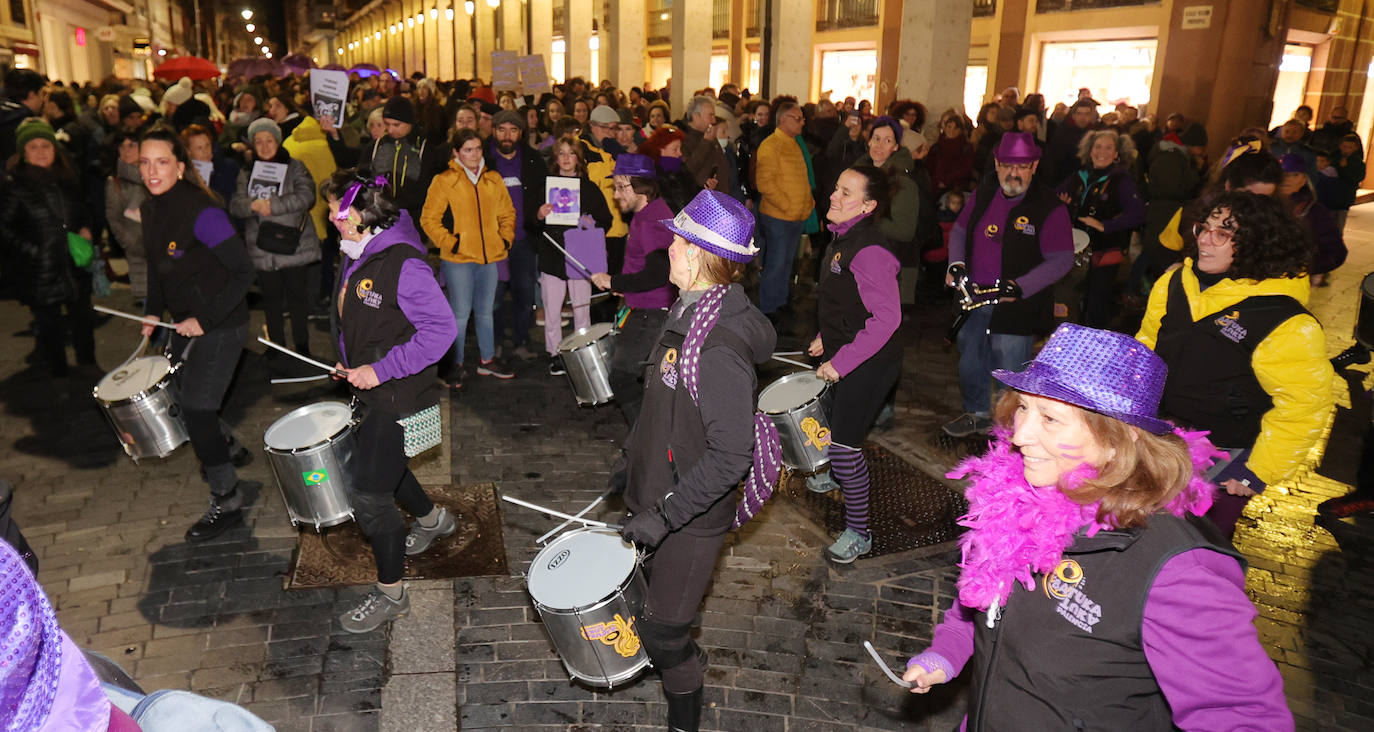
[{"x": 589, "y": 247}]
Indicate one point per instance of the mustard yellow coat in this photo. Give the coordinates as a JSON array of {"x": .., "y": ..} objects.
[{"x": 483, "y": 217}]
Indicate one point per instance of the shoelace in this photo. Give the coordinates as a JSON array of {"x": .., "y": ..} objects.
[{"x": 369, "y": 605}]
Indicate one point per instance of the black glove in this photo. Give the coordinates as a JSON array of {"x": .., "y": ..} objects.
[{"x": 646, "y": 528}]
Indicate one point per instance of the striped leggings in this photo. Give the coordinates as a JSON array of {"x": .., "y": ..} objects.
[{"x": 850, "y": 470}]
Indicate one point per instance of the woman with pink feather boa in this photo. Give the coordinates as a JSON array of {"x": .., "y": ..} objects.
[{"x": 1093, "y": 594}]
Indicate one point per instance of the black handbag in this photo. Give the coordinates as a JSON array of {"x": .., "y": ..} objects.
[{"x": 275, "y": 238}]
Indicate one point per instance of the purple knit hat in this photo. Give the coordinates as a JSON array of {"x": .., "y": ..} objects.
[
  {"x": 1098, "y": 370},
  {"x": 1017, "y": 148},
  {"x": 717, "y": 223}
]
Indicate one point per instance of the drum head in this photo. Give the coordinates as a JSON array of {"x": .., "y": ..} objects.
[
  {"x": 790, "y": 392},
  {"x": 580, "y": 568},
  {"x": 586, "y": 336},
  {"x": 138, "y": 375},
  {"x": 309, "y": 425},
  {"x": 1081, "y": 240}
]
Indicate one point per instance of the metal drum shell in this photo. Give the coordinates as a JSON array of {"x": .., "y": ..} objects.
[
  {"x": 326, "y": 503},
  {"x": 797, "y": 454},
  {"x": 151, "y": 419},
  {"x": 589, "y": 367},
  {"x": 1364, "y": 318}
]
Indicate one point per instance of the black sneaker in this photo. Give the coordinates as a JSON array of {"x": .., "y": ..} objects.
[
  {"x": 216, "y": 520},
  {"x": 556, "y": 366},
  {"x": 452, "y": 377},
  {"x": 495, "y": 367},
  {"x": 1356, "y": 354}
]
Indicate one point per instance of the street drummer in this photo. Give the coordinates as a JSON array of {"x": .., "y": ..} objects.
[
  {"x": 199, "y": 271},
  {"x": 695, "y": 439},
  {"x": 643, "y": 281},
  {"x": 392, "y": 325},
  {"x": 860, "y": 310}
]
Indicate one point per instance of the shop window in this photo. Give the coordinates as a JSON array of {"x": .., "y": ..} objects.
[
  {"x": 18, "y": 16},
  {"x": 1291, "y": 87},
  {"x": 975, "y": 85},
  {"x": 851, "y": 73},
  {"x": 1113, "y": 71}
]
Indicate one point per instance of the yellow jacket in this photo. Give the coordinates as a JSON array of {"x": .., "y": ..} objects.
[
  {"x": 1170, "y": 238},
  {"x": 483, "y": 217},
  {"x": 1290, "y": 365},
  {"x": 780, "y": 176},
  {"x": 599, "y": 166},
  {"x": 308, "y": 145}
]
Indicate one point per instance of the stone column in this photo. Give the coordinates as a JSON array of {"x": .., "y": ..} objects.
[
  {"x": 485, "y": 18},
  {"x": 692, "y": 50},
  {"x": 739, "y": 56},
  {"x": 432, "y": 42},
  {"x": 444, "y": 41},
  {"x": 462, "y": 42},
  {"x": 603, "y": 47},
  {"x": 541, "y": 29},
  {"x": 512, "y": 29},
  {"x": 414, "y": 37},
  {"x": 934, "y": 53},
  {"x": 577, "y": 35},
  {"x": 626, "y": 41},
  {"x": 790, "y": 49}
]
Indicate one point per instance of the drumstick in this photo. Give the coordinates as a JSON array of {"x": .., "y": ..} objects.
[
  {"x": 806, "y": 366},
  {"x": 558, "y": 514},
  {"x": 790, "y": 353},
  {"x": 307, "y": 359},
  {"x": 131, "y": 316},
  {"x": 883, "y": 665},
  {"x": 570, "y": 257},
  {"x": 580, "y": 514},
  {"x": 300, "y": 379}
]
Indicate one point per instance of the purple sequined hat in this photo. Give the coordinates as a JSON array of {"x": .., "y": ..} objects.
[
  {"x": 635, "y": 166},
  {"x": 717, "y": 223},
  {"x": 1099, "y": 370},
  {"x": 1017, "y": 148}
]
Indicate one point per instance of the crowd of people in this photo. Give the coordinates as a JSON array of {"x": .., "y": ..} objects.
[{"x": 704, "y": 212}]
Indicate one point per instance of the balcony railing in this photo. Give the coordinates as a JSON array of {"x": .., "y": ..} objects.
[
  {"x": 1053, "y": 6},
  {"x": 753, "y": 17},
  {"x": 720, "y": 18},
  {"x": 984, "y": 8},
  {"x": 1325, "y": 6},
  {"x": 660, "y": 21},
  {"x": 838, "y": 14}
]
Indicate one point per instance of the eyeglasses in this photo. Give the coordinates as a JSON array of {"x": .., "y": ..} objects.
[
  {"x": 1221, "y": 236},
  {"x": 1016, "y": 167},
  {"x": 623, "y": 186}
]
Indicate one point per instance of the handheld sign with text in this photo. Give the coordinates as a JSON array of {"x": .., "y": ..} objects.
[
  {"x": 564, "y": 194},
  {"x": 266, "y": 180},
  {"x": 328, "y": 90}
]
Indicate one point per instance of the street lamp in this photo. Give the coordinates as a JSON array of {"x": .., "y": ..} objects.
[
  {"x": 493, "y": 4},
  {"x": 257, "y": 40},
  {"x": 469, "y": 7},
  {"x": 247, "y": 14}
]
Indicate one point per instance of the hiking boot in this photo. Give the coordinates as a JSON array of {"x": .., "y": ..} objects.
[
  {"x": 1349, "y": 504},
  {"x": 495, "y": 367},
  {"x": 374, "y": 610},
  {"x": 421, "y": 537},
  {"x": 850, "y": 546},
  {"x": 217, "y": 519},
  {"x": 968, "y": 424},
  {"x": 556, "y": 366}
]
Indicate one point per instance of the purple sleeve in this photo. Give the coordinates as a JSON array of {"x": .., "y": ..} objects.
[
  {"x": 1132, "y": 214},
  {"x": 424, "y": 305},
  {"x": 212, "y": 228},
  {"x": 953, "y": 641},
  {"x": 959, "y": 232},
  {"x": 1056, "y": 251},
  {"x": 1200, "y": 641},
  {"x": 875, "y": 270}
]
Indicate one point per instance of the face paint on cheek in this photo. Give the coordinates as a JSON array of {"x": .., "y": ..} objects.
[{"x": 1070, "y": 452}]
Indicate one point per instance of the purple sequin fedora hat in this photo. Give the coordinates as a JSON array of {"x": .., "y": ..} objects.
[
  {"x": 1098, "y": 370},
  {"x": 717, "y": 223},
  {"x": 1017, "y": 148}
]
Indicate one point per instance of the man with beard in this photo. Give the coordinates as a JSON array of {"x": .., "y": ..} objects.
[
  {"x": 523, "y": 170},
  {"x": 1013, "y": 231}
]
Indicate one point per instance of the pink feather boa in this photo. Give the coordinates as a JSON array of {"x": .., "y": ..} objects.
[{"x": 1017, "y": 531}]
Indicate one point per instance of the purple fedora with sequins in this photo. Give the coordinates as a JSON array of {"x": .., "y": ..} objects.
[
  {"x": 1099, "y": 370},
  {"x": 717, "y": 223}
]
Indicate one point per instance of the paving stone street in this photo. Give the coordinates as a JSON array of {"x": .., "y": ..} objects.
[{"x": 783, "y": 628}]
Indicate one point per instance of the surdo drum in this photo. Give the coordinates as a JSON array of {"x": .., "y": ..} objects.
[
  {"x": 587, "y": 358},
  {"x": 589, "y": 591},
  {"x": 1364, "y": 320},
  {"x": 309, "y": 450},
  {"x": 796, "y": 404},
  {"x": 138, "y": 400}
]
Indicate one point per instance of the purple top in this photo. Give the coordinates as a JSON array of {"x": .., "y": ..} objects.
[
  {"x": 985, "y": 261},
  {"x": 509, "y": 170},
  {"x": 420, "y": 299},
  {"x": 1200, "y": 640},
  {"x": 647, "y": 234},
  {"x": 875, "y": 273}
]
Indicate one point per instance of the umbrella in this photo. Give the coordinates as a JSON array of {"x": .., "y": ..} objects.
[
  {"x": 298, "y": 63},
  {"x": 334, "y": 67},
  {"x": 195, "y": 67},
  {"x": 251, "y": 66},
  {"x": 365, "y": 70}
]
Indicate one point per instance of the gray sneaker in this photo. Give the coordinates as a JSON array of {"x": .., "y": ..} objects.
[
  {"x": 850, "y": 546},
  {"x": 420, "y": 537},
  {"x": 821, "y": 482},
  {"x": 374, "y": 610},
  {"x": 968, "y": 424}
]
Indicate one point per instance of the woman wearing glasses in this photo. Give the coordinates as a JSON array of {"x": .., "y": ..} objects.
[{"x": 1247, "y": 361}]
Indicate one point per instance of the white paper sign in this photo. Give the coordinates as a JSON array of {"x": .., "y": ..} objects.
[
  {"x": 564, "y": 194},
  {"x": 266, "y": 179},
  {"x": 328, "y": 90},
  {"x": 204, "y": 168},
  {"x": 1197, "y": 17}
]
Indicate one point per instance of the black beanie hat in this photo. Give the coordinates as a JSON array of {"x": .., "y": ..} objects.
[
  {"x": 399, "y": 109},
  {"x": 128, "y": 106}
]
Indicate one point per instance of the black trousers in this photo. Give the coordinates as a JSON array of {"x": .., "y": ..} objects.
[
  {"x": 286, "y": 291},
  {"x": 632, "y": 348},
  {"x": 679, "y": 572},
  {"x": 382, "y": 478},
  {"x": 202, "y": 381},
  {"x": 51, "y": 329}
]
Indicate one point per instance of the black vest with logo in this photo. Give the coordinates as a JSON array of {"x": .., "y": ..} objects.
[
  {"x": 1069, "y": 655},
  {"x": 841, "y": 308},
  {"x": 1032, "y": 315},
  {"x": 190, "y": 273},
  {"x": 1211, "y": 383},
  {"x": 373, "y": 323},
  {"x": 1099, "y": 201}
]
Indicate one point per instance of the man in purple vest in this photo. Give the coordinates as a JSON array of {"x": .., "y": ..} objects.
[
  {"x": 643, "y": 278},
  {"x": 1015, "y": 231}
]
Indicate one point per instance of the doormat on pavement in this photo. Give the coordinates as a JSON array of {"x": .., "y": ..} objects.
[
  {"x": 907, "y": 509},
  {"x": 340, "y": 556}
]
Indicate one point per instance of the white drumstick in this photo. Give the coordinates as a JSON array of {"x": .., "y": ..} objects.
[
  {"x": 131, "y": 316},
  {"x": 561, "y": 526},
  {"x": 570, "y": 257},
  {"x": 307, "y": 359},
  {"x": 300, "y": 379},
  {"x": 806, "y": 366},
  {"x": 551, "y": 512},
  {"x": 883, "y": 665},
  {"x": 790, "y": 353}
]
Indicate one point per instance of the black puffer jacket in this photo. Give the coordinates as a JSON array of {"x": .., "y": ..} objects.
[{"x": 37, "y": 209}]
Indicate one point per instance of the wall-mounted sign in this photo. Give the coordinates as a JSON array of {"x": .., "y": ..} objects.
[
  {"x": 1197, "y": 17},
  {"x": 105, "y": 34}
]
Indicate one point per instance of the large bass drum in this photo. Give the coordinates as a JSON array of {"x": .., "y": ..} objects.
[
  {"x": 139, "y": 402},
  {"x": 310, "y": 450}
]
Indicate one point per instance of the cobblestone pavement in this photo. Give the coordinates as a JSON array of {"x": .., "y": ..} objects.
[{"x": 783, "y": 627}]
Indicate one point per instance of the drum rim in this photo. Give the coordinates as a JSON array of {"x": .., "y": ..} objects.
[
  {"x": 636, "y": 566},
  {"x": 138, "y": 396},
  {"x": 612, "y": 331},
  {"x": 794, "y": 375},
  {"x": 348, "y": 425}
]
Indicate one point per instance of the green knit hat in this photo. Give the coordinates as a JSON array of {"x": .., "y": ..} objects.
[{"x": 33, "y": 128}]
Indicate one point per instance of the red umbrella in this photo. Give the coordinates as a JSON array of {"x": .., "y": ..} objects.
[{"x": 195, "y": 67}]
